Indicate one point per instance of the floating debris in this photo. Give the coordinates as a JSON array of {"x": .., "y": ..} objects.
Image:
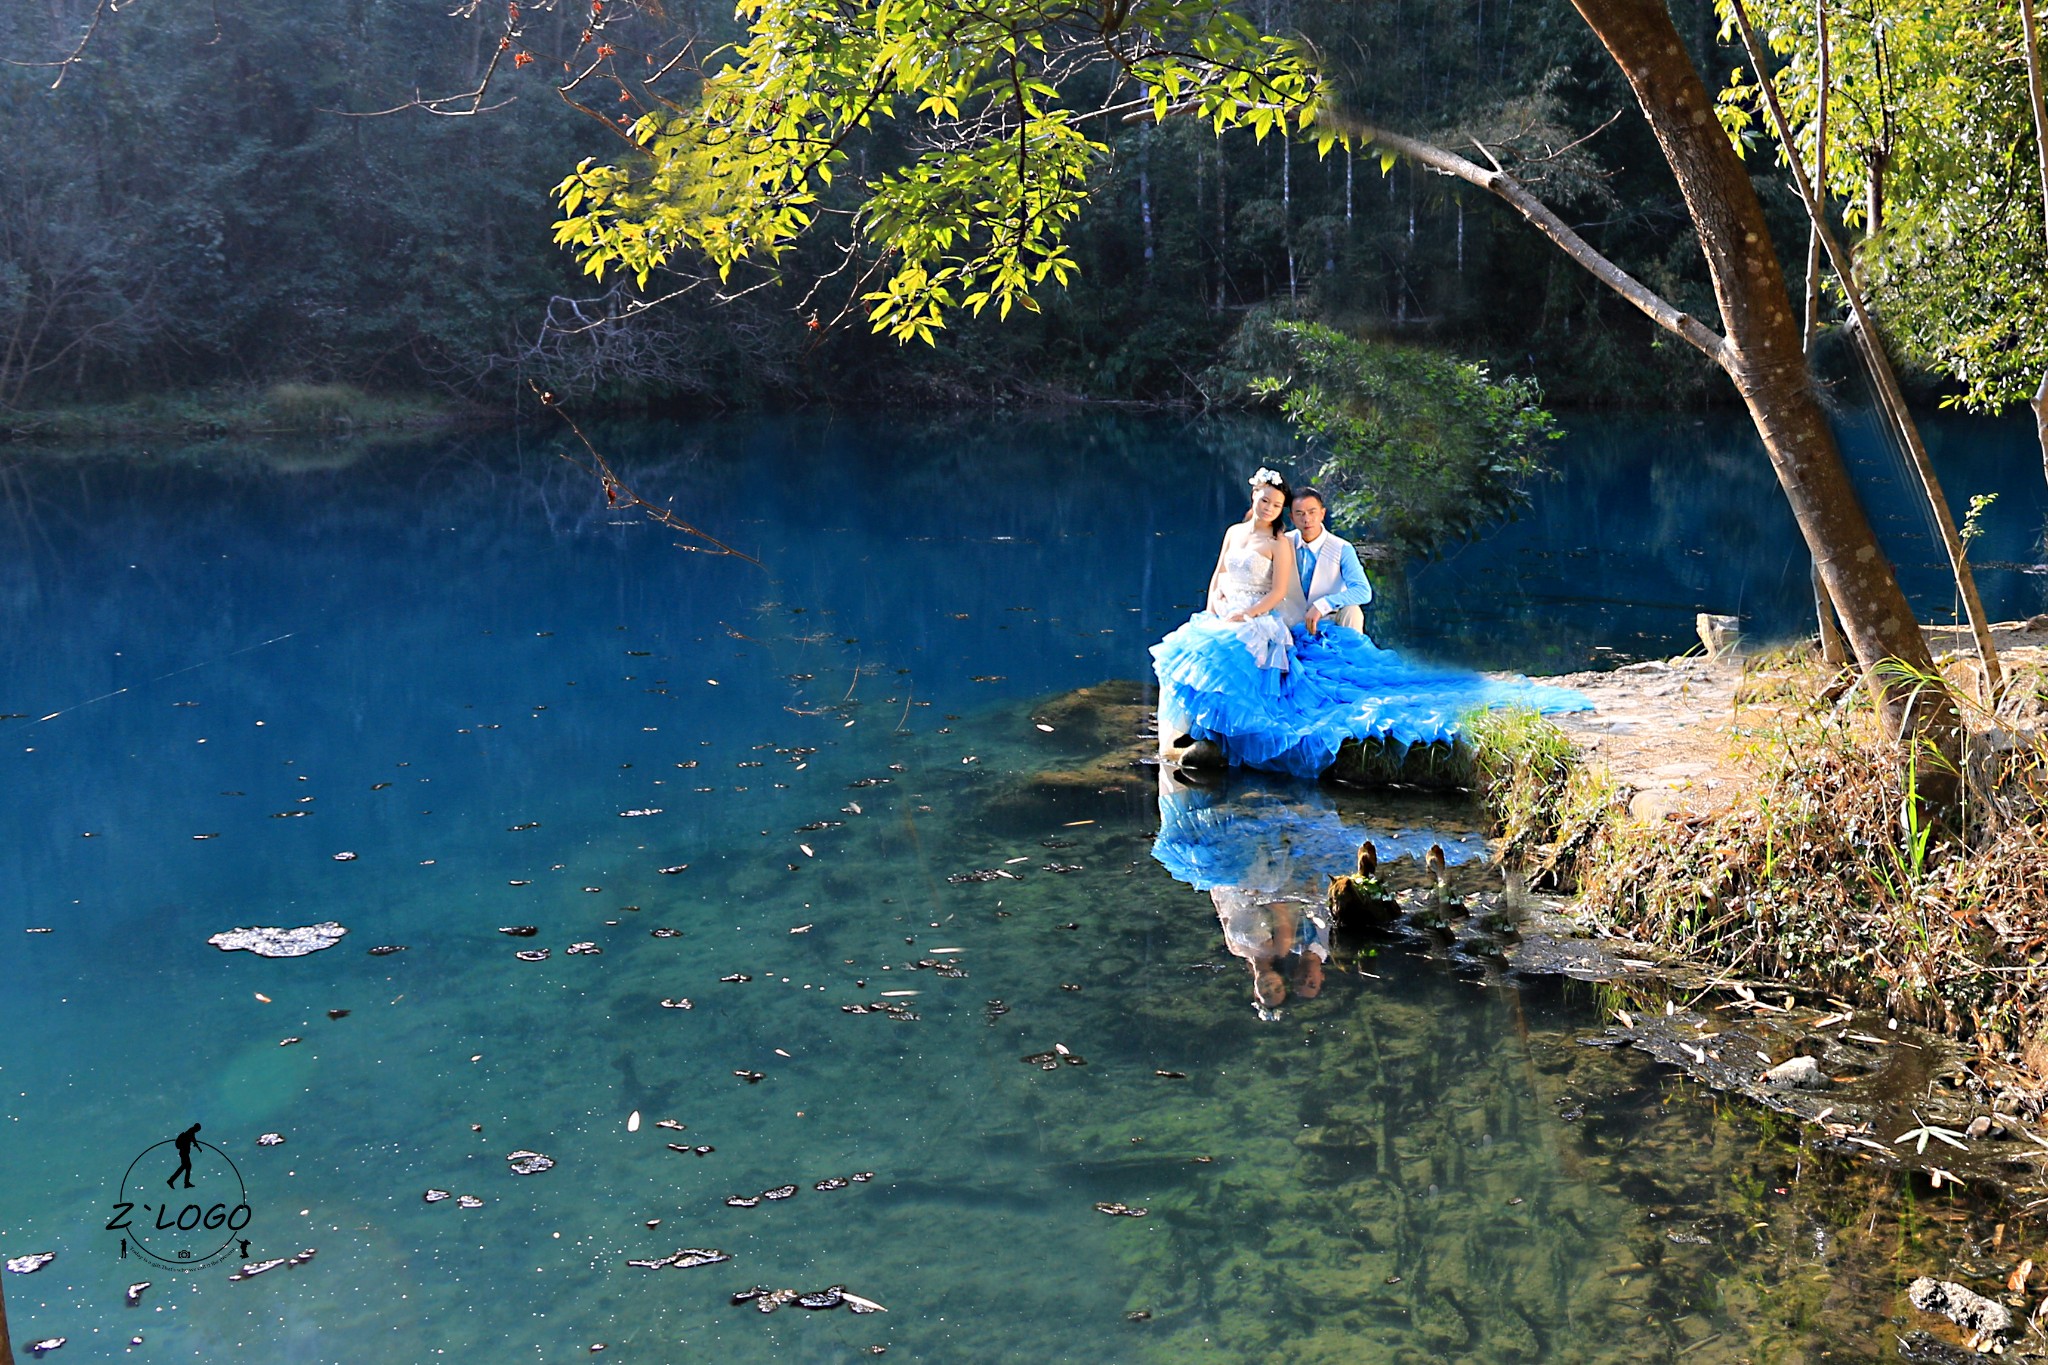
[
  {"x": 671, "y": 1125},
  {"x": 1050, "y": 1061},
  {"x": 981, "y": 874},
  {"x": 749, "y": 1295},
  {"x": 274, "y": 942},
  {"x": 287, "y": 1042},
  {"x": 859, "y": 1304},
  {"x": 40, "y": 929},
  {"x": 779, "y": 1192},
  {"x": 1064, "y": 867},
  {"x": 532, "y": 955},
  {"x": 387, "y": 949},
  {"x": 1120, "y": 1210},
  {"x": 519, "y": 829},
  {"x": 519, "y": 930},
  {"x": 750, "y": 1077},
  {"x": 994, "y": 1010},
  {"x": 582, "y": 949},
  {"x": 1138, "y": 1315},
  {"x": 436, "y": 1196},
  {"x": 674, "y": 1004},
  {"x": 706, "y": 1150},
  {"x": 1055, "y": 843},
  {"x": 862, "y": 1177},
  {"x": 688, "y": 1258},
  {"x": 741, "y": 1201},
  {"x": 135, "y": 1292},
  {"x": 870, "y": 782},
  {"x": 254, "y": 1268},
  {"x": 736, "y": 976},
  {"x": 822, "y": 1299},
  {"x": 30, "y": 1264},
  {"x": 831, "y": 1183},
  {"x": 1171, "y": 1075},
  {"x": 468, "y": 1201},
  {"x": 270, "y": 1140},
  {"x": 667, "y": 933},
  {"x": 530, "y": 1163},
  {"x": 337, "y": 1014},
  {"x": 39, "y": 1348}
]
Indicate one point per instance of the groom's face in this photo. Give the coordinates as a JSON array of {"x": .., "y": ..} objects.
[{"x": 1308, "y": 517}]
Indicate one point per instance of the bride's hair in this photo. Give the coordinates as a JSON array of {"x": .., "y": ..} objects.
[{"x": 1277, "y": 482}]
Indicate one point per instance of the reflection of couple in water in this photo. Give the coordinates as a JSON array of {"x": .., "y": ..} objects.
[
  {"x": 1283, "y": 939},
  {"x": 1262, "y": 850}
]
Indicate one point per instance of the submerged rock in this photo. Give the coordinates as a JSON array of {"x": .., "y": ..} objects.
[
  {"x": 1966, "y": 1309},
  {"x": 275, "y": 942},
  {"x": 1800, "y": 1073}
]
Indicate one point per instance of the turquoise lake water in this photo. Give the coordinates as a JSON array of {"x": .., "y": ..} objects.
[{"x": 511, "y": 706}]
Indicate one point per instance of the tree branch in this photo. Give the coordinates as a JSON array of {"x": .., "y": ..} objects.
[{"x": 1679, "y": 323}]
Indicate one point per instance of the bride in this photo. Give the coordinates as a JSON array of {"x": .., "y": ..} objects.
[{"x": 1248, "y": 676}]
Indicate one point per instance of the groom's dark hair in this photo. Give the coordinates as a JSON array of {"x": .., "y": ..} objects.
[{"x": 1309, "y": 490}]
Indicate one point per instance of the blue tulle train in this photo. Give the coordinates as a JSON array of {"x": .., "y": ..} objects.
[{"x": 1339, "y": 685}]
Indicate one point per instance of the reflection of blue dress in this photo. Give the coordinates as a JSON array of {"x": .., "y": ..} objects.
[{"x": 1289, "y": 709}]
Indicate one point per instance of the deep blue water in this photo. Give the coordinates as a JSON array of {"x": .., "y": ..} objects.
[{"x": 514, "y": 706}]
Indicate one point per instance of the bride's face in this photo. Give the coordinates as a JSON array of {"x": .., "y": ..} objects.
[{"x": 1266, "y": 505}]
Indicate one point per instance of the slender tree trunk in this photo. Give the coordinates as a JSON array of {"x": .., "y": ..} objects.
[
  {"x": 2034, "y": 95},
  {"x": 1834, "y": 651},
  {"x": 1891, "y": 398},
  {"x": 1763, "y": 357},
  {"x": 1145, "y": 187}
]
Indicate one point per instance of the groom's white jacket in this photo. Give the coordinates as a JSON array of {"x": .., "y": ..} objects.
[{"x": 1335, "y": 579}]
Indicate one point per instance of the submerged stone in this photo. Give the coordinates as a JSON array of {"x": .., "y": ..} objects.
[
  {"x": 1800, "y": 1073},
  {"x": 276, "y": 942},
  {"x": 1965, "y": 1308}
]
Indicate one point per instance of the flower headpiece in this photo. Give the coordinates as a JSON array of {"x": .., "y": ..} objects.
[{"x": 1266, "y": 476}]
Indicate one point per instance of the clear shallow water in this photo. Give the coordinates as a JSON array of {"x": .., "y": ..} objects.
[{"x": 456, "y": 665}]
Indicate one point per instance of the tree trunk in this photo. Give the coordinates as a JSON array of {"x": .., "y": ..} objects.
[
  {"x": 2034, "y": 98},
  {"x": 1764, "y": 359}
]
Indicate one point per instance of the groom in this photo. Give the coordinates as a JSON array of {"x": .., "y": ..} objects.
[{"x": 1331, "y": 577}]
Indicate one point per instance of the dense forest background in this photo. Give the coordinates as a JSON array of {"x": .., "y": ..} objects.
[{"x": 192, "y": 207}]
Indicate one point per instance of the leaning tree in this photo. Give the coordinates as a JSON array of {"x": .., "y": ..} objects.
[{"x": 968, "y": 141}]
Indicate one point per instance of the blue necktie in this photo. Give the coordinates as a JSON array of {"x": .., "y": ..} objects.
[{"x": 1305, "y": 566}]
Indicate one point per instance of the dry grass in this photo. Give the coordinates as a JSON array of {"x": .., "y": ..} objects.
[{"x": 1821, "y": 874}]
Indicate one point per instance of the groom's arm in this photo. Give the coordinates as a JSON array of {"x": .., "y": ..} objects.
[{"x": 1355, "y": 590}]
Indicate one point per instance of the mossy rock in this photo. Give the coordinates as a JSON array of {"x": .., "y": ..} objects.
[{"x": 1433, "y": 767}]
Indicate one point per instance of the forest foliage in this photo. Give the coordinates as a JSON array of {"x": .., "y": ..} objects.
[
  {"x": 193, "y": 206},
  {"x": 197, "y": 203}
]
